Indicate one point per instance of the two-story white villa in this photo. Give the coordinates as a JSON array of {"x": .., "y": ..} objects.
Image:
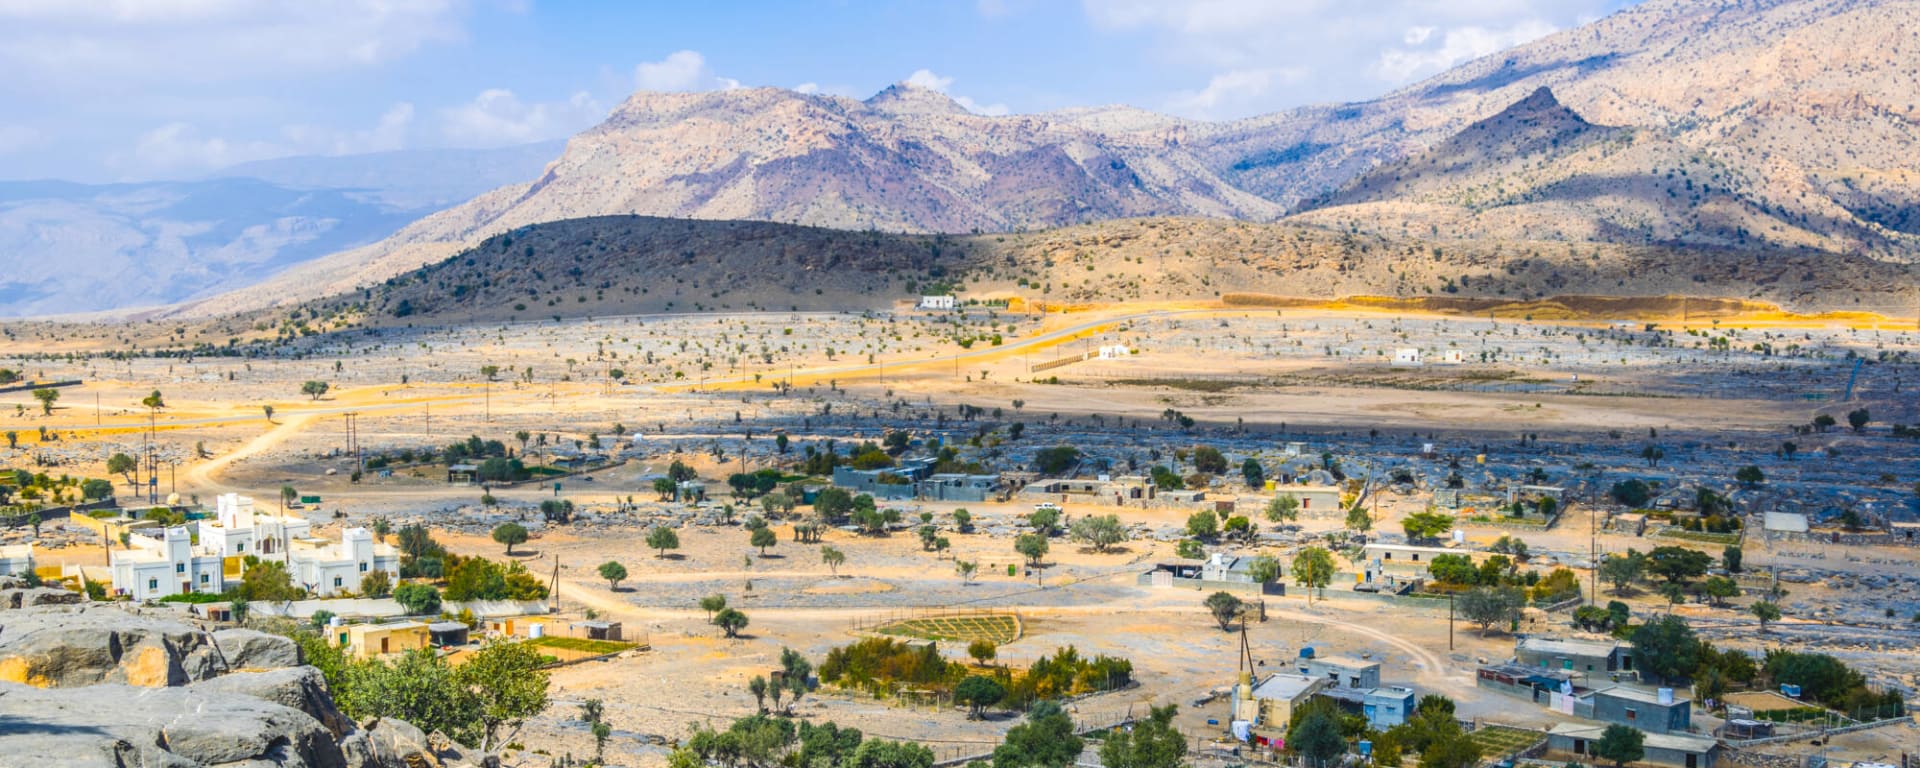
[
  {"x": 155, "y": 566},
  {"x": 239, "y": 529},
  {"x": 328, "y": 568}
]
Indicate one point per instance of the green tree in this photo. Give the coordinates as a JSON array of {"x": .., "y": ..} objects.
[
  {"x": 1750, "y": 475},
  {"x": 510, "y": 534},
  {"x": 1033, "y": 546},
  {"x": 95, "y": 488},
  {"x": 762, "y": 538},
  {"x": 1264, "y": 569},
  {"x": 418, "y": 687},
  {"x": 1203, "y": 524},
  {"x": 1666, "y": 648},
  {"x": 1154, "y": 743},
  {"x": 1313, "y": 569},
  {"x": 1623, "y": 570},
  {"x": 1101, "y": 532},
  {"x": 268, "y": 581},
  {"x": 1316, "y": 737},
  {"x": 47, "y": 397},
  {"x": 1045, "y": 740},
  {"x": 661, "y": 539},
  {"x": 1487, "y": 606},
  {"x": 712, "y": 605},
  {"x": 982, "y": 650},
  {"x": 1719, "y": 588},
  {"x": 417, "y": 599},
  {"x": 978, "y": 693},
  {"x": 123, "y": 465},
  {"x": 314, "y": 389},
  {"x": 1632, "y": 492},
  {"x": 1621, "y": 743},
  {"x": 1045, "y": 521},
  {"x": 1358, "y": 520},
  {"x": 963, "y": 521},
  {"x": 1859, "y": 419},
  {"x": 1055, "y": 460},
  {"x": 1425, "y": 526},
  {"x": 833, "y": 559},
  {"x": 1224, "y": 607},
  {"x": 508, "y": 685},
  {"x": 1285, "y": 506},
  {"x": 730, "y": 621},
  {"x": 1677, "y": 564},
  {"x": 376, "y": 584},
  {"x": 1208, "y": 459},
  {"x": 1731, "y": 558},
  {"x": 1766, "y": 612},
  {"x": 1255, "y": 474},
  {"x": 614, "y": 573}
]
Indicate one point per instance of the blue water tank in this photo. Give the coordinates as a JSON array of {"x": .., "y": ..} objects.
[{"x": 1307, "y": 652}]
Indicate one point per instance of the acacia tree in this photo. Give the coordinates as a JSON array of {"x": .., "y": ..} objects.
[
  {"x": 614, "y": 573},
  {"x": 510, "y": 534},
  {"x": 1766, "y": 612},
  {"x": 662, "y": 539},
  {"x": 833, "y": 558},
  {"x": 731, "y": 621},
  {"x": 1313, "y": 569},
  {"x": 47, "y": 396},
  {"x": 314, "y": 389},
  {"x": 1099, "y": 531},
  {"x": 1224, "y": 607}
]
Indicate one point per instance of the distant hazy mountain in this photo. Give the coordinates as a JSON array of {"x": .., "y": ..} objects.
[
  {"x": 414, "y": 179},
  {"x": 74, "y": 248}
]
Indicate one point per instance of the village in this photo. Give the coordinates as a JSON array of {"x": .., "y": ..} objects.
[{"x": 1531, "y": 537}]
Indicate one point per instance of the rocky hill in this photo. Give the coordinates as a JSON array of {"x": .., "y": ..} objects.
[{"x": 88, "y": 685}]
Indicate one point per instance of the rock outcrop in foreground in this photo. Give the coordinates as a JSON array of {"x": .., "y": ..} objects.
[{"x": 97, "y": 685}]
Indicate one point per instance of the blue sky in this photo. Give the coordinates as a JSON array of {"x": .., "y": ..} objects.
[{"x": 137, "y": 89}]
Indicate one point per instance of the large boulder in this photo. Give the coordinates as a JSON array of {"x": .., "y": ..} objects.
[
  {"x": 112, "y": 726},
  {"x": 301, "y": 688},
  {"x": 390, "y": 743},
  {"x": 61, "y": 647},
  {"x": 246, "y": 649},
  {"x": 15, "y": 594}
]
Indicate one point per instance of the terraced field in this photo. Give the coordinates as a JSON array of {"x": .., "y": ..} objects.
[{"x": 998, "y": 629}]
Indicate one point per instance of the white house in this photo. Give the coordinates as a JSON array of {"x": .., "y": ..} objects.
[
  {"x": 149, "y": 568},
  {"x": 1453, "y": 357},
  {"x": 326, "y": 568},
  {"x": 238, "y": 529},
  {"x": 1115, "y": 352},
  {"x": 939, "y": 302},
  {"x": 16, "y": 560},
  {"x": 1406, "y": 356}
]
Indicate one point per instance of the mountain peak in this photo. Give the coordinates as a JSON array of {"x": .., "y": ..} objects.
[{"x": 906, "y": 98}]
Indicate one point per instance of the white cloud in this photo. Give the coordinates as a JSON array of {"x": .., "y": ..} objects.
[
  {"x": 807, "y": 88},
  {"x": 214, "y": 40},
  {"x": 1250, "y": 56},
  {"x": 179, "y": 148},
  {"x": 1458, "y": 45},
  {"x": 497, "y": 117},
  {"x": 1236, "y": 88},
  {"x": 393, "y": 131},
  {"x": 925, "y": 78},
  {"x": 680, "y": 71},
  {"x": 14, "y": 138}
]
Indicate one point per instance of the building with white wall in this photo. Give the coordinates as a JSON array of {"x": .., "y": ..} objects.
[
  {"x": 16, "y": 560},
  {"x": 939, "y": 302},
  {"x": 155, "y": 566},
  {"x": 1407, "y": 356},
  {"x": 329, "y": 568},
  {"x": 239, "y": 529}
]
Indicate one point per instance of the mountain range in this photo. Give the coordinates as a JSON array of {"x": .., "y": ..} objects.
[
  {"x": 1684, "y": 128},
  {"x": 73, "y": 248}
]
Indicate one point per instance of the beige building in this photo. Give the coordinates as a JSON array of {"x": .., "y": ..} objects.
[{"x": 365, "y": 641}]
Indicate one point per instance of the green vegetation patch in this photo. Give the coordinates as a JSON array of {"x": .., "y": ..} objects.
[
  {"x": 998, "y": 629},
  {"x": 598, "y": 647},
  {"x": 1500, "y": 740}
]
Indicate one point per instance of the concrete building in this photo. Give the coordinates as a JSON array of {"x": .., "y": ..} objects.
[
  {"x": 1539, "y": 686},
  {"x": 152, "y": 567},
  {"x": 1581, "y": 657},
  {"x": 1406, "y": 356},
  {"x": 959, "y": 487},
  {"x": 1343, "y": 671},
  {"x": 240, "y": 529},
  {"x": 16, "y": 560},
  {"x": 1656, "y": 712},
  {"x": 1219, "y": 572},
  {"x": 364, "y": 641},
  {"x": 1575, "y": 741},
  {"x": 1115, "y": 352},
  {"x": 1411, "y": 556},
  {"x": 1314, "y": 499},
  {"x": 939, "y": 302},
  {"x": 329, "y": 568},
  {"x": 1388, "y": 707},
  {"x": 1268, "y": 707}
]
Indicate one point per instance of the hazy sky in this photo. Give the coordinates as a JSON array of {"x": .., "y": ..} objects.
[{"x": 137, "y": 89}]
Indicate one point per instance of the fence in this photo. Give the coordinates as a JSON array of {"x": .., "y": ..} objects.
[
  {"x": 51, "y": 514},
  {"x": 1785, "y": 737}
]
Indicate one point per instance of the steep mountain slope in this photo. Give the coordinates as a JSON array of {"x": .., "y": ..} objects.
[
  {"x": 413, "y": 179},
  {"x": 1760, "y": 125}
]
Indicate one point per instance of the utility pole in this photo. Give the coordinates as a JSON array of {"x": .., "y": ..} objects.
[{"x": 1449, "y": 621}]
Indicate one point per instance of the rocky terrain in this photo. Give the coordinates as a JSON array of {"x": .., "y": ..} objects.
[
  {"x": 99, "y": 685},
  {"x": 1750, "y": 125}
]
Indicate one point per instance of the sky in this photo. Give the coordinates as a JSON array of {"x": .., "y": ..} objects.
[{"x": 125, "y": 90}]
